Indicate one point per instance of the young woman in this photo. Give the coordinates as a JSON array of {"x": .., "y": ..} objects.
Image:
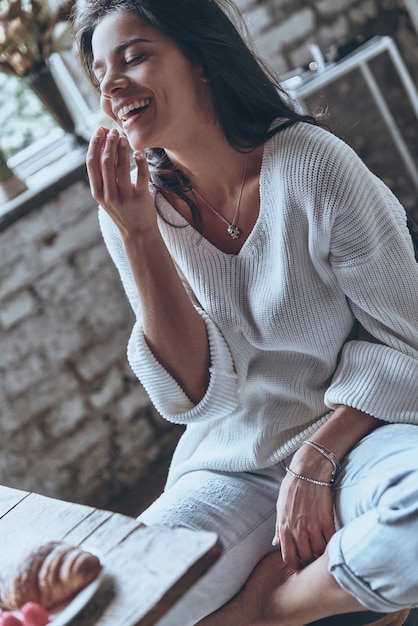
[{"x": 253, "y": 244}]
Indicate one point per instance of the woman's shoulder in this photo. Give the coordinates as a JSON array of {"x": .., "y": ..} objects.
[
  {"x": 305, "y": 135},
  {"x": 310, "y": 150}
]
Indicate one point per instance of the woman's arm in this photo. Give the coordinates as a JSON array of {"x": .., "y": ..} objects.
[
  {"x": 173, "y": 329},
  {"x": 359, "y": 236},
  {"x": 305, "y": 518},
  {"x": 339, "y": 434}
]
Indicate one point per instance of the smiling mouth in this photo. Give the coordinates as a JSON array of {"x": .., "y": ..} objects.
[{"x": 132, "y": 109}]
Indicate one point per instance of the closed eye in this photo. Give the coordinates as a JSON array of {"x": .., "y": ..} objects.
[
  {"x": 136, "y": 59},
  {"x": 98, "y": 78}
]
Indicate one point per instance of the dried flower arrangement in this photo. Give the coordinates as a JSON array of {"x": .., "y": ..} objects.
[{"x": 28, "y": 33}]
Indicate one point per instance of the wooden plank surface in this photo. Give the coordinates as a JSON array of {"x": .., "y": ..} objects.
[
  {"x": 146, "y": 569},
  {"x": 10, "y": 498},
  {"x": 146, "y": 573},
  {"x": 35, "y": 520}
]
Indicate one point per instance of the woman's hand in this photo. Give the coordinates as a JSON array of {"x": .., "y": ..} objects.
[
  {"x": 304, "y": 521},
  {"x": 129, "y": 204},
  {"x": 305, "y": 512}
]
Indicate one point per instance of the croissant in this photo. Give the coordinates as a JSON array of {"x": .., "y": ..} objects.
[{"x": 50, "y": 575}]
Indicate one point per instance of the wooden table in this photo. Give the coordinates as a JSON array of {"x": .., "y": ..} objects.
[{"x": 146, "y": 569}]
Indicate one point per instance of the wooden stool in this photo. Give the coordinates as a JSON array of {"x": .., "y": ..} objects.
[
  {"x": 365, "y": 618},
  {"x": 395, "y": 619}
]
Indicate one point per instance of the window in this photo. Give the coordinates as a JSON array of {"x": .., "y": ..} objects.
[
  {"x": 23, "y": 118},
  {"x": 30, "y": 138}
]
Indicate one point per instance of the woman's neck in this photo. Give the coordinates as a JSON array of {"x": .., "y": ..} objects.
[
  {"x": 221, "y": 177},
  {"x": 208, "y": 163}
]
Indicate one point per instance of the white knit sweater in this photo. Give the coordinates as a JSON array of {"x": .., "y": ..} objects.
[{"x": 330, "y": 245}]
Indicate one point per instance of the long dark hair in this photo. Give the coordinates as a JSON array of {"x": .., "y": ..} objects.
[{"x": 247, "y": 98}]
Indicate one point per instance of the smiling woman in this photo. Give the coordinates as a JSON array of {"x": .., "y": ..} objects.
[
  {"x": 249, "y": 335},
  {"x": 165, "y": 87}
]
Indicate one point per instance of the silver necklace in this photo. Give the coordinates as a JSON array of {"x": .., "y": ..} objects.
[{"x": 232, "y": 228}]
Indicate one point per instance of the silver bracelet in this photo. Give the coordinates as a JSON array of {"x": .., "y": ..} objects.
[
  {"x": 322, "y": 483},
  {"x": 327, "y": 454}
]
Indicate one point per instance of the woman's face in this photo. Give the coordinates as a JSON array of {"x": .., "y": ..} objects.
[{"x": 148, "y": 86}]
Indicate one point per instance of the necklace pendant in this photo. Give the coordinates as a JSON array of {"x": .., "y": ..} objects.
[{"x": 234, "y": 231}]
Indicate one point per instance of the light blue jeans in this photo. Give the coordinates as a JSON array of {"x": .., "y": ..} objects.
[{"x": 373, "y": 554}]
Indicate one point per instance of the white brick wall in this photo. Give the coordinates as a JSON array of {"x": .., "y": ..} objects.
[{"x": 74, "y": 421}]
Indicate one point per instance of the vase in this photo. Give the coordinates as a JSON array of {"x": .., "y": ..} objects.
[
  {"x": 10, "y": 185},
  {"x": 44, "y": 85}
]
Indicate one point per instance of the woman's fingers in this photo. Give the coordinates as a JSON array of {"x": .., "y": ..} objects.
[
  {"x": 109, "y": 161},
  {"x": 123, "y": 168},
  {"x": 297, "y": 553},
  {"x": 300, "y": 545},
  {"x": 318, "y": 545},
  {"x": 129, "y": 204},
  {"x": 328, "y": 528},
  {"x": 93, "y": 162},
  {"x": 142, "y": 171},
  {"x": 109, "y": 167},
  {"x": 289, "y": 551}
]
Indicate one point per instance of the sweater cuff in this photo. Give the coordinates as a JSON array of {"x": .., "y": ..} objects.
[
  {"x": 377, "y": 380},
  {"x": 166, "y": 394}
]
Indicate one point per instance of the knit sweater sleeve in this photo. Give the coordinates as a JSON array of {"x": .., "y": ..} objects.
[
  {"x": 163, "y": 390},
  {"x": 372, "y": 256}
]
